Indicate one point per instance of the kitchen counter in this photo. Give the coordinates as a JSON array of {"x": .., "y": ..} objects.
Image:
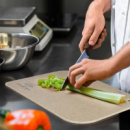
[{"x": 59, "y": 54}]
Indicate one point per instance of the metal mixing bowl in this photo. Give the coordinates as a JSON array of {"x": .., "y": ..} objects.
[{"x": 20, "y": 50}]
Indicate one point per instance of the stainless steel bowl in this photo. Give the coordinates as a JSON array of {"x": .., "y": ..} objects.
[{"x": 20, "y": 50}]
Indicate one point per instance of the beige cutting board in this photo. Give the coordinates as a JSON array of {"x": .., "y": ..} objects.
[{"x": 69, "y": 106}]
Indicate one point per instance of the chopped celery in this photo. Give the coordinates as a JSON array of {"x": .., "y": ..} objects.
[
  {"x": 52, "y": 81},
  {"x": 57, "y": 82},
  {"x": 102, "y": 95}
]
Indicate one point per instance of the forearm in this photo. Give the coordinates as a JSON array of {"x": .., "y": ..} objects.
[
  {"x": 103, "y": 5},
  {"x": 122, "y": 59}
]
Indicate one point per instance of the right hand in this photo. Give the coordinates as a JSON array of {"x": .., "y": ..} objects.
[{"x": 93, "y": 27}]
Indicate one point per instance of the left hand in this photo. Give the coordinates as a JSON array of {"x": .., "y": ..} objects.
[{"x": 91, "y": 70}]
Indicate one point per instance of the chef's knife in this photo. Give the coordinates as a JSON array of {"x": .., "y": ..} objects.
[{"x": 84, "y": 55}]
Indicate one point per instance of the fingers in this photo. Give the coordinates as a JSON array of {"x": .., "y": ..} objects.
[
  {"x": 80, "y": 68},
  {"x": 77, "y": 65},
  {"x": 101, "y": 39},
  {"x": 83, "y": 41},
  {"x": 87, "y": 32},
  {"x": 72, "y": 76},
  {"x": 94, "y": 37},
  {"x": 73, "y": 72},
  {"x": 80, "y": 81}
]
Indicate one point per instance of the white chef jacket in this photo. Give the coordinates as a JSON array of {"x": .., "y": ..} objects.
[{"x": 120, "y": 35}]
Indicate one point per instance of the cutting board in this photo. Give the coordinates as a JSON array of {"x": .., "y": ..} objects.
[{"x": 69, "y": 106}]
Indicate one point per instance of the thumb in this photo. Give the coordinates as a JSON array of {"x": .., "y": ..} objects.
[{"x": 94, "y": 37}]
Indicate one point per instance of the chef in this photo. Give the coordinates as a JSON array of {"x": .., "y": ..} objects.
[{"x": 118, "y": 66}]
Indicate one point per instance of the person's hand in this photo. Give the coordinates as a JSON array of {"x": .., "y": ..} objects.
[
  {"x": 91, "y": 70},
  {"x": 93, "y": 27}
]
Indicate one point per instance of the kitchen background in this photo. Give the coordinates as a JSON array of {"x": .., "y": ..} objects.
[
  {"x": 52, "y": 7},
  {"x": 63, "y": 6},
  {"x": 44, "y": 6}
]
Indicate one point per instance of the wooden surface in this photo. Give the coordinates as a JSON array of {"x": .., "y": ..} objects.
[{"x": 69, "y": 106}]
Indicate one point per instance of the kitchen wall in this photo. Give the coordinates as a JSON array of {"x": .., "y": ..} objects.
[
  {"x": 43, "y": 6},
  {"x": 77, "y": 6}
]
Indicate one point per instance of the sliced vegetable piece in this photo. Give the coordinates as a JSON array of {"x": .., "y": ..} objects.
[
  {"x": 52, "y": 81},
  {"x": 102, "y": 95}
]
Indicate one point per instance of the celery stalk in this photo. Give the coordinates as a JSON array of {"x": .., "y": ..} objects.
[
  {"x": 57, "y": 82},
  {"x": 102, "y": 95}
]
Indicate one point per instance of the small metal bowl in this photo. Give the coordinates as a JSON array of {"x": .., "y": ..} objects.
[{"x": 20, "y": 49}]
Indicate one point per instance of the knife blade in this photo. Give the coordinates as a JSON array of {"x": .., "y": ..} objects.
[{"x": 84, "y": 55}]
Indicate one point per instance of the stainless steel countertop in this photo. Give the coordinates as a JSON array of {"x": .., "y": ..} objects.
[{"x": 60, "y": 54}]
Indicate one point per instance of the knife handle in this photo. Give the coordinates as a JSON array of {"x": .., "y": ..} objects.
[{"x": 89, "y": 48}]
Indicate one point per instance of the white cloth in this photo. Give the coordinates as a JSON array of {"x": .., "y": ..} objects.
[{"x": 120, "y": 35}]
